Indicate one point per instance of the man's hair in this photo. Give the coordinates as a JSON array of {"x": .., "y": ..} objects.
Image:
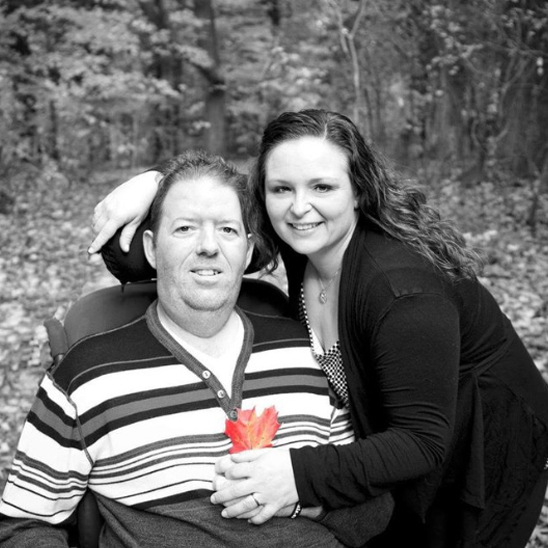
[{"x": 195, "y": 164}]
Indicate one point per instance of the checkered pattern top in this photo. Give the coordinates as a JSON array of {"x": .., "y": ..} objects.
[{"x": 330, "y": 361}]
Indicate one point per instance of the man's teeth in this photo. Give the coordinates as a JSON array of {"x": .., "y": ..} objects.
[{"x": 207, "y": 272}]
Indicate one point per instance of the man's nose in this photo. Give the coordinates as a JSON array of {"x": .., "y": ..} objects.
[
  {"x": 301, "y": 203},
  {"x": 207, "y": 242}
]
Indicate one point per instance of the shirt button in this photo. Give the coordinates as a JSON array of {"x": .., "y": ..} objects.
[
  {"x": 233, "y": 414},
  {"x": 221, "y": 394},
  {"x": 206, "y": 374}
]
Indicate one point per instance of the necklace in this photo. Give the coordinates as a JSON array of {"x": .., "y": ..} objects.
[{"x": 322, "y": 297}]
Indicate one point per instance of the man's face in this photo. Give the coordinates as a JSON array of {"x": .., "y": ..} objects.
[{"x": 201, "y": 248}]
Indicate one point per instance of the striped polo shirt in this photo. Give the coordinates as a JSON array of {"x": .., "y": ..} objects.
[{"x": 134, "y": 417}]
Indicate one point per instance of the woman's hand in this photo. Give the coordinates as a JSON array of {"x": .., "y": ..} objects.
[
  {"x": 284, "y": 512},
  {"x": 127, "y": 206},
  {"x": 267, "y": 474}
]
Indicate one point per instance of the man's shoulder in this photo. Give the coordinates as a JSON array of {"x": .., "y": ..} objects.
[
  {"x": 111, "y": 349},
  {"x": 277, "y": 330}
]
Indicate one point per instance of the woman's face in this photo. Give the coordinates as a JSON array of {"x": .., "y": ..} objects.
[{"x": 309, "y": 197}]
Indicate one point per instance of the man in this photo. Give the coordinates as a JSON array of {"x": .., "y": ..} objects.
[{"x": 137, "y": 415}]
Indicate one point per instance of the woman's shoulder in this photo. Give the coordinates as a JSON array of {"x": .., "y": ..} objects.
[{"x": 382, "y": 265}]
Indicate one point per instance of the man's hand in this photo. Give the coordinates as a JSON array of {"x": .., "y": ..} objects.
[{"x": 127, "y": 206}]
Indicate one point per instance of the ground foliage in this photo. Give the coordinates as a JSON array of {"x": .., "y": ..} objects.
[{"x": 44, "y": 268}]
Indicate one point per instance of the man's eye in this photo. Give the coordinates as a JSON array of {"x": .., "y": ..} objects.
[
  {"x": 184, "y": 228},
  {"x": 229, "y": 230}
]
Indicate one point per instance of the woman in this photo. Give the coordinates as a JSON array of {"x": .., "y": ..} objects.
[{"x": 451, "y": 412}]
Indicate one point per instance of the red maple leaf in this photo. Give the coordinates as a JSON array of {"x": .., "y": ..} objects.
[{"x": 252, "y": 431}]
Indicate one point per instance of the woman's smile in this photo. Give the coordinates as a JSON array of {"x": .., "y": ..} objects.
[{"x": 304, "y": 227}]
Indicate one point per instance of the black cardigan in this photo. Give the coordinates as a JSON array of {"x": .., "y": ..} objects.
[{"x": 441, "y": 389}]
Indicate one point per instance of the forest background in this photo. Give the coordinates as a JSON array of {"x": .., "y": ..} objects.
[{"x": 454, "y": 93}]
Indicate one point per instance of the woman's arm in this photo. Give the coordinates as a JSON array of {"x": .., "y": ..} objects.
[
  {"x": 415, "y": 350},
  {"x": 127, "y": 205},
  {"x": 416, "y": 353},
  {"x": 352, "y": 526}
]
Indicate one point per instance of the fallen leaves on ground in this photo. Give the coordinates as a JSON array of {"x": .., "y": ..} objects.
[{"x": 44, "y": 268}]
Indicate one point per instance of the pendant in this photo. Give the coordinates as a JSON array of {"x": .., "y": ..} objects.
[{"x": 322, "y": 297}]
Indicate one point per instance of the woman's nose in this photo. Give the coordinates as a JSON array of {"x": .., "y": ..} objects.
[{"x": 301, "y": 204}]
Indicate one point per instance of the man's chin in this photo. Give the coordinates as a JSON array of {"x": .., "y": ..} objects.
[
  {"x": 210, "y": 302},
  {"x": 208, "y": 306}
]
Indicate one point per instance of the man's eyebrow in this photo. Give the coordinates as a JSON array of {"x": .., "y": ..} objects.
[
  {"x": 196, "y": 218},
  {"x": 183, "y": 218},
  {"x": 231, "y": 221}
]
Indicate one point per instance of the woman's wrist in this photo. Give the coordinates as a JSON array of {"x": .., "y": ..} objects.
[
  {"x": 297, "y": 509},
  {"x": 315, "y": 513}
]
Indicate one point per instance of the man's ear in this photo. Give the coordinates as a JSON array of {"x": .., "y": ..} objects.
[
  {"x": 149, "y": 247},
  {"x": 250, "y": 248}
]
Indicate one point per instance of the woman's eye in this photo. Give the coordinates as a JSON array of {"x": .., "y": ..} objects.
[
  {"x": 279, "y": 189},
  {"x": 323, "y": 188},
  {"x": 229, "y": 230}
]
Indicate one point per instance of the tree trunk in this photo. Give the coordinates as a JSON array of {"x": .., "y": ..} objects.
[
  {"x": 362, "y": 100},
  {"x": 52, "y": 144},
  {"x": 541, "y": 187},
  {"x": 215, "y": 100},
  {"x": 167, "y": 118}
]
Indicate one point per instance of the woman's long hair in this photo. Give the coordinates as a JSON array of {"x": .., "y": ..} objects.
[{"x": 397, "y": 209}]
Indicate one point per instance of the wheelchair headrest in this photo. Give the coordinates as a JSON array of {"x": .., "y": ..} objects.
[{"x": 115, "y": 306}]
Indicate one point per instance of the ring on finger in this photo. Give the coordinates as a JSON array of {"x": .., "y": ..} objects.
[{"x": 255, "y": 499}]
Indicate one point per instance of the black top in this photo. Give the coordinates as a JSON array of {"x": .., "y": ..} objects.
[{"x": 442, "y": 391}]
